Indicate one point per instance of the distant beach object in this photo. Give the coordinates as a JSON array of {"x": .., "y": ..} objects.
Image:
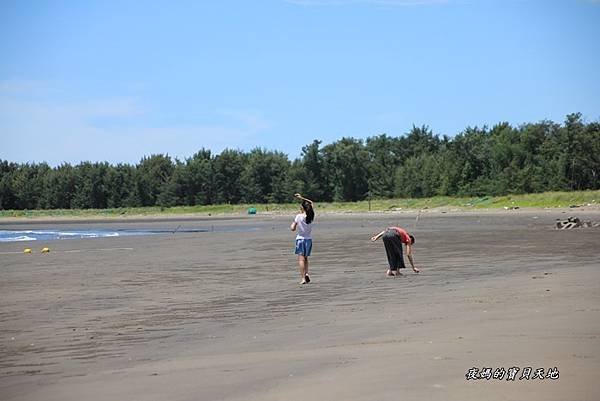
[
  {"x": 45, "y": 250},
  {"x": 251, "y": 210},
  {"x": 574, "y": 222},
  {"x": 27, "y": 250}
]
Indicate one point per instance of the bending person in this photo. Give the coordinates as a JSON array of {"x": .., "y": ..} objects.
[{"x": 393, "y": 238}]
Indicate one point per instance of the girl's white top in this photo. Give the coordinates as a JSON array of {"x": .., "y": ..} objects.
[{"x": 304, "y": 230}]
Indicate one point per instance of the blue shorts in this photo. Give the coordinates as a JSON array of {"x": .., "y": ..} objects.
[{"x": 303, "y": 247}]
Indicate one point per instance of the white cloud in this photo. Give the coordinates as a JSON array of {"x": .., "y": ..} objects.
[
  {"x": 20, "y": 87},
  {"x": 48, "y": 129}
]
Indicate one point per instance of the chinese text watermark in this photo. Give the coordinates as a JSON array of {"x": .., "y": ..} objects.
[{"x": 512, "y": 374}]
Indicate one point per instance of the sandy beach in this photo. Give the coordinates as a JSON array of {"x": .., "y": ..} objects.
[{"x": 219, "y": 315}]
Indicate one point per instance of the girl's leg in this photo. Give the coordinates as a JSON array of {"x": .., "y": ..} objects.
[
  {"x": 302, "y": 268},
  {"x": 306, "y": 278}
]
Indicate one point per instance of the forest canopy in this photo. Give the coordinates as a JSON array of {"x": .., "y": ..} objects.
[{"x": 501, "y": 160}]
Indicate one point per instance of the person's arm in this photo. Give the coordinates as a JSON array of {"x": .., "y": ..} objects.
[
  {"x": 303, "y": 198},
  {"x": 293, "y": 226},
  {"x": 409, "y": 255},
  {"x": 377, "y": 236}
]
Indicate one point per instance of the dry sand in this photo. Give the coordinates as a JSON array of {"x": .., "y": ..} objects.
[{"x": 219, "y": 315}]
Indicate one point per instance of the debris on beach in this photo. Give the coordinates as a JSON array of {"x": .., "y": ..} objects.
[{"x": 575, "y": 222}]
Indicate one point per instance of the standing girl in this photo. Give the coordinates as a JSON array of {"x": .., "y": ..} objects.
[{"x": 303, "y": 222}]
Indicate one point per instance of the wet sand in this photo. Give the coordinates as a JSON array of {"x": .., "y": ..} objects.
[{"x": 219, "y": 315}]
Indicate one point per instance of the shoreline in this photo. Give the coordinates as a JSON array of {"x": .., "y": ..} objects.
[{"x": 199, "y": 217}]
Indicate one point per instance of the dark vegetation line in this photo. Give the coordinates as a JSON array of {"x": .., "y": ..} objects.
[{"x": 503, "y": 160}]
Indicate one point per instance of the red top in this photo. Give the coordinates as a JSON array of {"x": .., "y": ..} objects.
[{"x": 402, "y": 233}]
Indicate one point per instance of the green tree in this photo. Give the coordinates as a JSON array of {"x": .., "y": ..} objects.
[
  {"x": 175, "y": 191},
  {"x": 90, "y": 189},
  {"x": 203, "y": 178},
  {"x": 7, "y": 194},
  {"x": 419, "y": 176},
  {"x": 27, "y": 185},
  {"x": 383, "y": 162},
  {"x": 228, "y": 168},
  {"x": 312, "y": 173},
  {"x": 152, "y": 174},
  {"x": 346, "y": 161},
  {"x": 582, "y": 158},
  {"x": 265, "y": 176},
  {"x": 120, "y": 186},
  {"x": 58, "y": 187},
  {"x": 468, "y": 163}
]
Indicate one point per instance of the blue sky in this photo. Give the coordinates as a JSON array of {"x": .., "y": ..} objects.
[{"x": 117, "y": 80}]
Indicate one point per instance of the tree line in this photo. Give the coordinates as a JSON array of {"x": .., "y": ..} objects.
[{"x": 536, "y": 157}]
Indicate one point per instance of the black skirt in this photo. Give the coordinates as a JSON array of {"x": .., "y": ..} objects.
[{"x": 393, "y": 249}]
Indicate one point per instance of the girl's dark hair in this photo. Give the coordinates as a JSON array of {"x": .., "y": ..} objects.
[
  {"x": 310, "y": 213},
  {"x": 412, "y": 239}
]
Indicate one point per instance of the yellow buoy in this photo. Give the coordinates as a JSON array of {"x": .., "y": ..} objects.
[
  {"x": 27, "y": 250},
  {"x": 45, "y": 250}
]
